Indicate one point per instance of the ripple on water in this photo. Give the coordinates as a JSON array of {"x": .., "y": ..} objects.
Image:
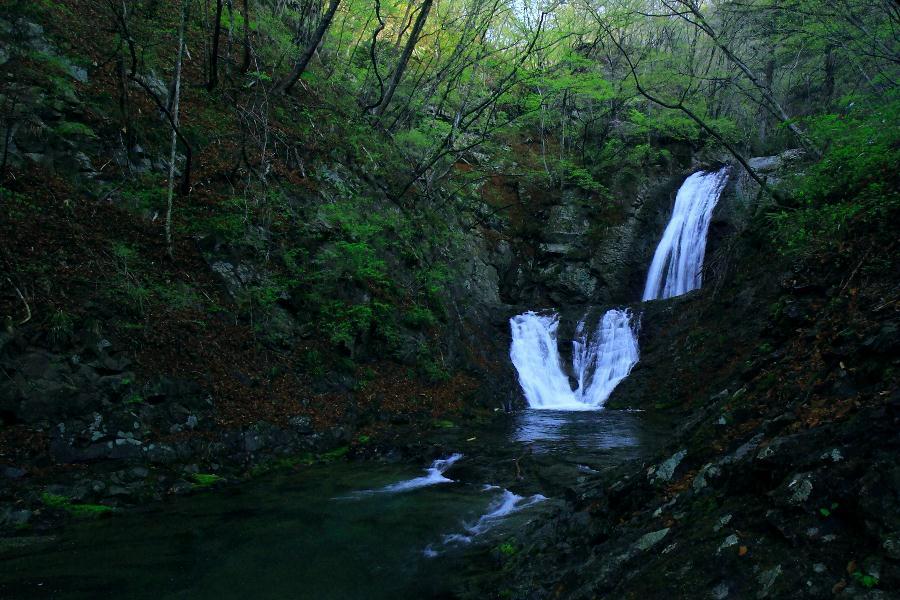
[{"x": 547, "y": 431}]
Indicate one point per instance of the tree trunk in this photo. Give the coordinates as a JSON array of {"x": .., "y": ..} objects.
[
  {"x": 828, "y": 92},
  {"x": 764, "y": 113},
  {"x": 405, "y": 26},
  {"x": 766, "y": 92},
  {"x": 245, "y": 65},
  {"x": 404, "y": 58},
  {"x": 288, "y": 82},
  {"x": 214, "y": 53},
  {"x": 177, "y": 93}
]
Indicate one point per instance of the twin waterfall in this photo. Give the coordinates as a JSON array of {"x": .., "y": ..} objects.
[
  {"x": 603, "y": 358},
  {"x": 600, "y": 361}
]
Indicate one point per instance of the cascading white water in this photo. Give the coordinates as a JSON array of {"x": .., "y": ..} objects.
[
  {"x": 607, "y": 358},
  {"x": 677, "y": 266},
  {"x": 603, "y": 359},
  {"x": 434, "y": 476},
  {"x": 536, "y": 357},
  {"x": 600, "y": 361},
  {"x": 507, "y": 504}
]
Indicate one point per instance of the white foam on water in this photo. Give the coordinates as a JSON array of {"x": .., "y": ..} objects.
[
  {"x": 434, "y": 476},
  {"x": 507, "y": 504}
]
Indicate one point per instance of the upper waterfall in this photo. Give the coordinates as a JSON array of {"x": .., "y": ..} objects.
[{"x": 677, "y": 266}]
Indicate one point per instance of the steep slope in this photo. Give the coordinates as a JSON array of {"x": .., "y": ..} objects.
[{"x": 303, "y": 308}]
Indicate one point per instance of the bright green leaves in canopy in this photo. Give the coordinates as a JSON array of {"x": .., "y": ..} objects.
[
  {"x": 418, "y": 141},
  {"x": 671, "y": 124},
  {"x": 590, "y": 86},
  {"x": 578, "y": 75}
]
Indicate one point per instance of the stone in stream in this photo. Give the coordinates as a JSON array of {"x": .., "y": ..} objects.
[
  {"x": 648, "y": 540},
  {"x": 664, "y": 472}
]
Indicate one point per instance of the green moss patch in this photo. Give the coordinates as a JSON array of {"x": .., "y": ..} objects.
[
  {"x": 206, "y": 479},
  {"x": 83, "y": 511}
]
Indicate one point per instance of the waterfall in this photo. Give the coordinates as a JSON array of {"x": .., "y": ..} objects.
[
  {"x": 677, "y": 266},
  {"x": 599, "y": 360},
  {"x": 536, "y": 357},
  {"x": 610, "y": 354}
]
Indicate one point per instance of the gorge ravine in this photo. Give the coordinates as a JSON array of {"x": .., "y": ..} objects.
[{"x": 604, "y": 356}]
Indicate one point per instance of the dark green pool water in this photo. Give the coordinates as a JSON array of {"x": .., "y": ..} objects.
[{"x": 311, "y": 534}]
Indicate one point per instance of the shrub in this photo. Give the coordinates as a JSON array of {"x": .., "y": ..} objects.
[
  {"x": 853, "y": 185},
  {"x": 61, "y": 327},
  {"x": 71, "y": 129}
]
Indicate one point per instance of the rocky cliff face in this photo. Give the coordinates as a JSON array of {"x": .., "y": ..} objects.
[
  {"x": 584, "y": 252},
  {"x": 588, "y": 251},
  {"x": 778, "y": 479},
  {"x": 582, "y": 261}
]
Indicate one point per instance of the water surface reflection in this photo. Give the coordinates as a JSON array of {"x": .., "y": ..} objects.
[{"x": 553, "y": 431}]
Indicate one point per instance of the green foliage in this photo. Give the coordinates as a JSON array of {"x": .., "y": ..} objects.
[
  {"x": 259, "y": 76},
  {"x": 54, "y": 500},
  {"x": 124, "y": 255},
  {"x": 40, "y": 8},
  {"x": 356, "y": 261},
  {"x": 265, "y": 294},
  {"x": 202, "y": 480},
  {"x": 854, "y": 184},
  {"x": 177, "y": 295},
  {"x": 363, "y": 278},
  {"x": 133, "y": 398},
  {"x": 142, "y": 194},
  {"x": 133, "y": 296},
  {"x": 507, "y": 549},
  {"x": 54, "y": 71},
  {"x": 865, "y": 580},
  {"x": 335, "y": 454},
  {"x": 135, "y": 291},
  {"x": 228, "y": 223},
  {"x": 19, "y": 205},
  {"x": 72, "y": 129},
  {"x": 430, "y": 370},
  {"x": 419, "y": 317},
  {"x": 431, "y": 282},
  {"x": 419, "y": 141},
  {"x": 826, "y": 512},
  {"x": 62, "y": 326},
  {"x": 313, "y": 363},
  {"x": 343, "y": 321},
  {"x": 580, "y": 176}
]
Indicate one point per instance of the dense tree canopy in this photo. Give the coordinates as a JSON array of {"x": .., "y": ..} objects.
[
  {"x": 435, "y": 104},
  {"x": 443, "y": 78}
]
